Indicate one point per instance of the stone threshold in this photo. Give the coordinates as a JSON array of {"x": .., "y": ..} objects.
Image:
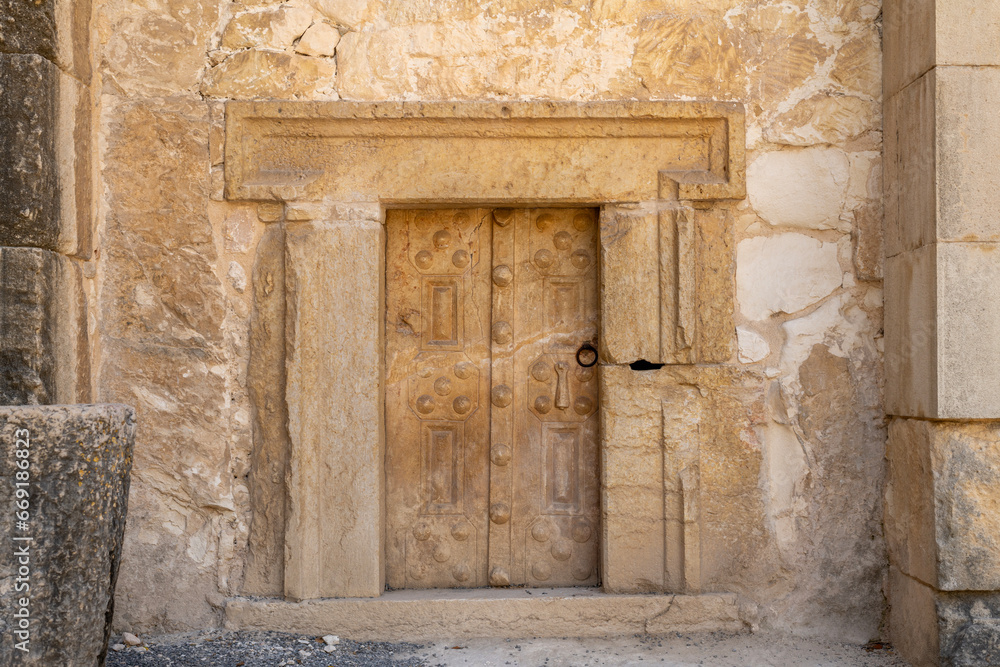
[{"x": 419, "y": 615}]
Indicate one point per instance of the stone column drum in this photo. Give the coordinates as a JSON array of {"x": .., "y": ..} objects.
[{"x": 61, "y": 549}]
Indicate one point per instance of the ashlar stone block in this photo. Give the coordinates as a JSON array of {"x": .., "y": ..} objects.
[
  {"x": 968, "y": 331},
  {"x": 966, "y": 32},
  {"x": 969, "y": 628},
  {"x": 43, "y": 352},
  {"x": 909, "y": 501},
  {"x": 911, "y": 332},
  {"x": 44, "y": 185},
  {"x": 666, "y": 284},
  {"x": 942, "y": 500},
  {"x": 57, "y": 30},
  {"x": 913, "y": 622},
  {"x": 266, "y": 386},
  {"x": 910, "y": 164},
  {"x": 931, "y": 628},
  {"x": 941, "y": 332},
  {"x": 419, "y": 615},
  {"x": 29, "y": 179},
  {"x": 713, "y": 265},
  {"x": 630, "y": 284},
  {"x": 966, "y": 464},
  {"x": 909, "y": 51},
  {"x": 967, "y": 143},
  {"x": 27, "y": 27},
  {"x": 941, "y": 143}
]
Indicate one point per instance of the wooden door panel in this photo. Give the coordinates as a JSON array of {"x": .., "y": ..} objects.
[
  {"x": 556, "y": 513},
  {"x": 437, "y": 378}
]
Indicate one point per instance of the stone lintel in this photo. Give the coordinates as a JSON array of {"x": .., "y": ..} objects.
[
  {"x": 420, "y": 615},
  {"x": 404, "y": 152}
]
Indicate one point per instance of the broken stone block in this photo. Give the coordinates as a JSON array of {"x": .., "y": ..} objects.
[
  {"x": 271, "y": 29},
  {"x": 65, "y": 478},
  {"x": 320, "y": 39}
]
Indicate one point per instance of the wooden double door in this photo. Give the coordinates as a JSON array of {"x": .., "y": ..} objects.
[{"x": 491, "y": 398}]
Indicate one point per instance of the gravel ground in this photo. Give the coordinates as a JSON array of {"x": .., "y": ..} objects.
[
  {"x": 275, "y": 649},
  {"x": 714, "y": 650},
  {"x": 259, "y": 649}
]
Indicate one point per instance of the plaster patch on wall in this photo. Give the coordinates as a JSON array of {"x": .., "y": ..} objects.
[{"x": 784, "y": 274}]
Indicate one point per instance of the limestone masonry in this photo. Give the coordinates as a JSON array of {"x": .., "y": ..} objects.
[
  {"x": 343, "y": 256},
  {"x": 174, "y": 332}
]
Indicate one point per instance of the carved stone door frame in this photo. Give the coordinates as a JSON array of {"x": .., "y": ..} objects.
[{"x": 324, "y": 174}]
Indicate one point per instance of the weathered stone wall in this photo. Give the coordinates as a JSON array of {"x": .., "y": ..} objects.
[
  {"x": 46, "y": 203},
  {"x": 175, "y": 287}
]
